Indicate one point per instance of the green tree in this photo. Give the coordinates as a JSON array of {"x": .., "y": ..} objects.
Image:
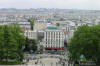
[
  {"x": 1, "y": 42},
  {"x": 57, "y": 24},
  {"x": 6, "y": 45},
  {"x": 27, "y": 46},
  {"x": 30, "y": 44},
  {"x": 11, "y": 42},
  {"x": 61, "y": 19},
  {"x": 85, "y": 42},
  {"x": 18, "y": 35},
  {"x": 34, "y": 44},
  {"x": 31, "y": 23},
  {"x": 96, "y": 31}
]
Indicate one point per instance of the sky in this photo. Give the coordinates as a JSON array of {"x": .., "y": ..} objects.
[{"x": 61, "y": 4}]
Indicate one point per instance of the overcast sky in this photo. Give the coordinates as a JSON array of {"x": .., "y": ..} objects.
[{"x": 64, "y": 4}]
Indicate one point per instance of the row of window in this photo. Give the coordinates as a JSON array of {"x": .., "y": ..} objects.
[
  {"x": 29, "y": 34},
  {"x": 54, "y": 38},
  {"x": 54, "y": 35}
]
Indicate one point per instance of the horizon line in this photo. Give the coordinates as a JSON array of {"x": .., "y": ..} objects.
[{"x": 53, "y": 8}]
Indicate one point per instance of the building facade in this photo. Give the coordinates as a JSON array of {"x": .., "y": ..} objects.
[
  {"x": 24, "y": 25},
  {"x": 31, "y": 34},
  {"x": 53, "y": 38},
  {"x": 41, "y": 24}
]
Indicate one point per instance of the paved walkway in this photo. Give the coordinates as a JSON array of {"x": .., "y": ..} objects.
[{"x": 45, "y": 62}]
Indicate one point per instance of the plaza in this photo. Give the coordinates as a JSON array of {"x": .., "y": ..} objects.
[{"x": 45, "y": 62}]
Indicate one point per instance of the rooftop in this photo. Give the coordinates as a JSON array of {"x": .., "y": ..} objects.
[{"x": 52, "y": 27}]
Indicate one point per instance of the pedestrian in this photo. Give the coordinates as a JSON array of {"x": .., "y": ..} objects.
[
  {"x": 40, "y": 61},
  {"x": 56, "y": 64},
  {"x": 51, "y": 63}
]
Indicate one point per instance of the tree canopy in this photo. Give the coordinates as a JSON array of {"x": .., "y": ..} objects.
[
  {"x": 11, "y": 42},
  {"x": 31, "y": 23},
  {"x": 58, "y": 24},
  {"x": 30, "y": 45},
  {"x": 86, "y": 41}
]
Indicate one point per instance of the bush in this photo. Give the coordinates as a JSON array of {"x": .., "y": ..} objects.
[{"x": 10, "y": 63}]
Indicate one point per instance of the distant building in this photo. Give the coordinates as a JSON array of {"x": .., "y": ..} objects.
[
  {"x": 31, "y": 34},
  {"x": 41, "y": 24},
  {"x": 24, "y": 25},
  {"x": 53, "y": 38},
  {"x": 6, "y": 23}
]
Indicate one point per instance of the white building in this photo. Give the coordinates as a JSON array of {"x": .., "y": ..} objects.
[
  {"x": 31, "y": 34},
  {"x": 53, "y": 38}
]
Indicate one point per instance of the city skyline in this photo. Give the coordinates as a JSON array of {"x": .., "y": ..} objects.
[{"x": 61, "y": 4}]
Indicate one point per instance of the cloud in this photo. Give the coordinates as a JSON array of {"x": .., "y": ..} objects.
[{"x": 68, "y": 4}]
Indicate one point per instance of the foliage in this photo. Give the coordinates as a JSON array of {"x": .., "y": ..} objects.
[
  {"x": 86, "y": 41},
  {"x": 10, "y": 63},
  {"x": 31, "y": 23},
  {"x": 27, "y": 47},
  {"x": 30, "y": 44},
  {"x": 57, "y": 24},
  {"x": 11, "y": 42},
  {"x": 34, "y": 44},
  {"x": 61, "y": 19}
]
